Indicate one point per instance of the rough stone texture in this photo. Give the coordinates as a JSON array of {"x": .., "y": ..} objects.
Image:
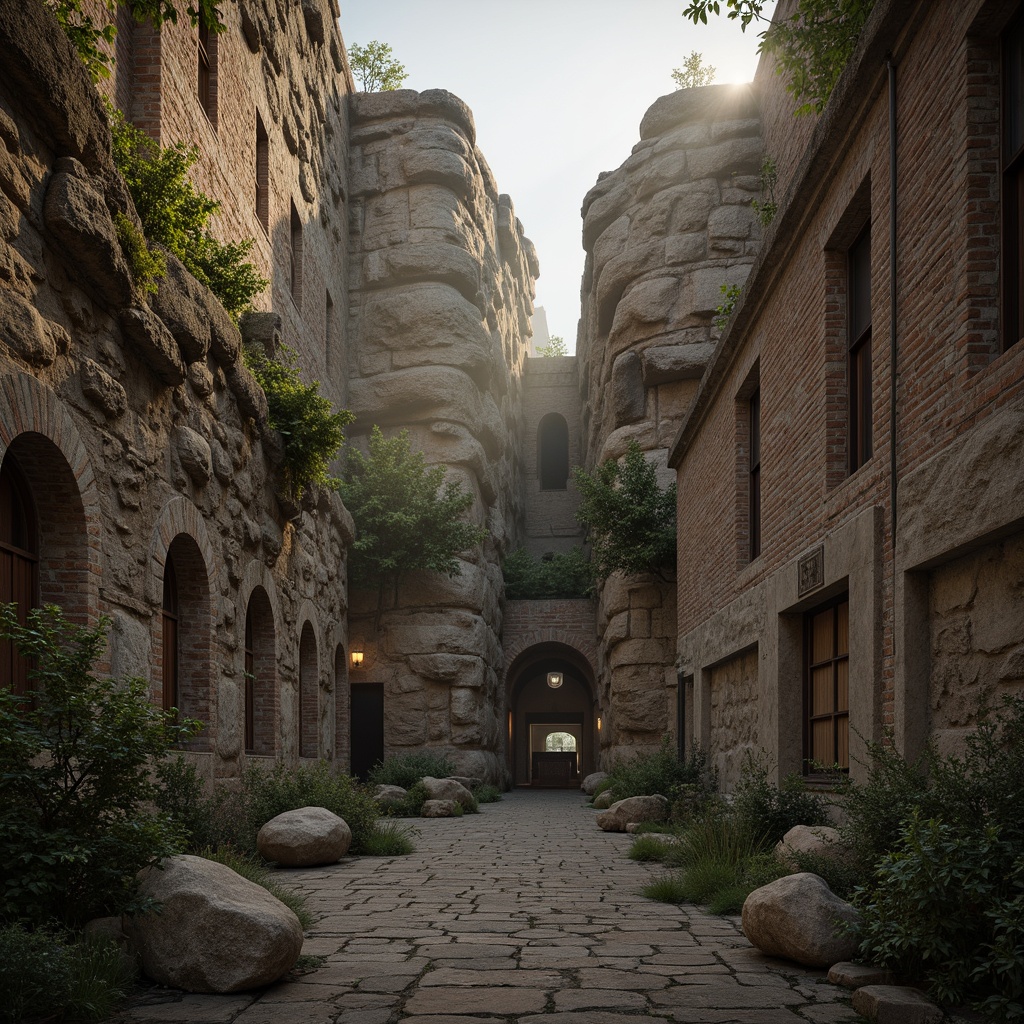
[
  {"x": 216, "y": 931},
  {"x": 441, "y": 287},
  {"x": 448, "y": 789},
  {"x": 734, "y": 722},
  {"x": 385, "y": 795},
  {"x": 819, "y": 840},
  {"x": 633, "y": 809},
  {"x": 851, "y": 975},
  {"x": 799, "y": 918},
  {"x": 304, "y": 838},
  {"x": 662, "y": 233},
  {"x": 439, "y": 809},
  {"x": 895, "y": 1004},
  {"x": 603, "y": 800},
  {"x": 592, "y": 781}
]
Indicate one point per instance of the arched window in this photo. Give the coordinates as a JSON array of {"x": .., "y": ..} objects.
[
  {"x": 170, "y": 650},
  {"x": 260, "y": 675},
  {"x": 557, "y": 742},
  {"x": 19, "y": 564},
  {"x": 553, "y": 452},
  {"x": 308, "y": 693}
]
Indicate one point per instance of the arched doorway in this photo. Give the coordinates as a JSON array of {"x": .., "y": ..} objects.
[{"x": 552, "y": 717}]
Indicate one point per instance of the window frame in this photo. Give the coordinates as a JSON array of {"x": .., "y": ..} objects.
[
  {"x": 754, "y": 474},
  {"x": 1011, "y": 179},
  {"x": 859, "y": 361},
  {"x": 809, "y": 665}
]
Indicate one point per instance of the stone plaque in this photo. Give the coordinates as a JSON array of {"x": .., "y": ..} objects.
[{"x": 811, "y": 571}]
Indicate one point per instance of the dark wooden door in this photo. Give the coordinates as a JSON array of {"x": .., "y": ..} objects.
[{"x": 367, "y": 727}]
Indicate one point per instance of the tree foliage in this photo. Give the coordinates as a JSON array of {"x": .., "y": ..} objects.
[
  {"x": 694, "y": 72},
  {"x": 812, "y": 46},
  {"x": 313, "y": 432},
  {"x": 406, "y": 516},
  {"x": 175, "y": 214},
  {"x": 76, "y": 785},
  {"x": 375, "y": 68},
  {"x": 556, "y": 346},
  {"x": 552, "y": 576},
  {"x": 632, "y": 520},
  {"x": 89, "y": 38}
]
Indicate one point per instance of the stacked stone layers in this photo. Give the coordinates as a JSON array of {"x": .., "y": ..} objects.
[
  {"x": 663, "y": 234},
  {"x": 441, "y": 289}
]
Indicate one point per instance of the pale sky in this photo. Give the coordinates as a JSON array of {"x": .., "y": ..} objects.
[{"x": 558, "y": 89}]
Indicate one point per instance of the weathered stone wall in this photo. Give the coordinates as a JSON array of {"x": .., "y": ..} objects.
[
  {"x": 142, "y": 438},
  {"x": 441, "y": 286},
  {"x": 662, "y": 233},
  {"x": 733, "y": 711},
  {"x": 976, "y": 619}
]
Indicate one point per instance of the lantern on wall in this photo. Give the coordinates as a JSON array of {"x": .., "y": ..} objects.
[
  {"x": 555, "y": 680},
  {"x": 357, "y": 659}
]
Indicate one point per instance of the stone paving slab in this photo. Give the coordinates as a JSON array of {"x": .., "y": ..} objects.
[{"x": 524, "y": 913}]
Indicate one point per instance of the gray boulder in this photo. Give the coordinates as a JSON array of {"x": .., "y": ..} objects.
[
  {"x": 592, "y": 781},
  {"x": 819, "y": 840},
  {"x": 387, "y": 796},
  {"x": 604, "y": 800},
  {"x": 438, "y": 809},
  {"x": 304, "y": 838},
  {"x": 464, "y": 780},
  {"x": 798, "y": 917},
  {"x": 215, "y": 932},
  {"x": 448, "y": 789},
  {"x": 633, "y": 809}
]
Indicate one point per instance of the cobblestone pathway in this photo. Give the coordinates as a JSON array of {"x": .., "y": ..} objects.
[{"x": 525, "y": 913}]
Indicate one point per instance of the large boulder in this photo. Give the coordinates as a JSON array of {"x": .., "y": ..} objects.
[
  {"x": 439, "y": 809},
  {"x": 304, "y": 838},
  {"x": 448, "y": 789},
  {"x": 817, "y": 840},
  {"x": 798, "y": 917},
  {"x": 592, "y": 781},
  {"x": 388, "y": 796},
  {"x": 633, "y": 809},
  {"x": 215, "y": 931}
]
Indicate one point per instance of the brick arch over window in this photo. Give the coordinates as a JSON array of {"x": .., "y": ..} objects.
[
  {"x": 39, "y": 435},
  {"x": 259, "y": 704},
  {"x": 309, "y": 691},
  {"x": 583, "y": 647},
  {"x": 553, "y": 452},
  {"x": 181, "y": 541}
]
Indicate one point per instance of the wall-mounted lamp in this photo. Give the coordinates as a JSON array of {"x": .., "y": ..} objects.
[
  {"x": 555, "y": 680},
  {"x": 357, "y": 659},
  {"x": 598, "y": 723}
]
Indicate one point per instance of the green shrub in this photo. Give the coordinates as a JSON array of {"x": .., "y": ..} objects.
[
  {"x": 175, "y": 214},
  {"x": 76, "y": 756},
  {"x": 147, "y": 266},
  {"x": 487, "y": 794},
  {"x": 659, "y": 773},
  {"x": 649, "y": 848},
  {"x": 45, "y": 975},
  {"x": 552, "y": 576},
  {"x": 841, "y": 873},
  {"x": 255, "y": 870},
  {"x": 390, "y": 839},
  {"x": 406, "y": 770},
  {"x": 667, "y": 889},
  {"x": 766, "y": 811},
  {"x": 313, "y": 432}
]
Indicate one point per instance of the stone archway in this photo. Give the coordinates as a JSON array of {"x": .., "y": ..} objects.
[{"x": 537, "y": 709}]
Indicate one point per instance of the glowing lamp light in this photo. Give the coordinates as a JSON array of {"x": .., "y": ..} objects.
[
  {"x": 555, "y": 680},
  {"x": 598, "y": 723},
  {"x": 357, "y": 659}
]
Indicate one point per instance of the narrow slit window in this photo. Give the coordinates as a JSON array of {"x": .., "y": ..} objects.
[
  {"x": 296, "y": 253},
  {"x": 262, "y": 174},
  {"x": 827, "y": 689},
  {"x": 754, "y": 480},
  {"x": 1012, "y": 161},
  {"x": 553, "y": 452},
  {"x": 206, "y": 85},
  {"x": 859, "y": 361}
]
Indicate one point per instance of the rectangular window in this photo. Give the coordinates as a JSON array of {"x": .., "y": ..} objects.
[
  {"x": 754, "y": 482},
  {"x": 827, "y": 688},
  {"x": 206, "y": 86},
  {"x": 1012, "y": 161},
  {"x": 296, "y": 253},
  {"x": 859, "y": 341},
  {"x": 262, "y": 174}
]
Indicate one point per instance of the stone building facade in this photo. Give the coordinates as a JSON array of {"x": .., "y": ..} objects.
[{"x": 851, "y": 465}]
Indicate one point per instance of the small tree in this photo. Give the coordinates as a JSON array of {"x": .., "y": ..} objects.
[
  {"x": 406, "y": 516},
  {"x": 375, "y": 68},
  {"x": 632, "y": 521},
  {"x": 76, "y": 781},
  {"x": 694, "y": 72},
  {"x": 555, "y": 347}
]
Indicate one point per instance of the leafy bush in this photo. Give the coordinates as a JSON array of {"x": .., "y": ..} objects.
[
  {"x": 487, "y": 794},
  {"x": 632, "y": 521},
  {"x": 255, "y": 870},
  {"x": 649, "y": 848},
  {"x": 390, "y": 839},
  {"x": 766, "y": 811},
  {"x": 313, "y": 432},
  {"x": 406, "y": 770},
  {"x": 147, "y": 266},
  {"x": 76, "y": 755},
  {"x": 659, "y": 773},
  {"x": 46, "y": 975},
  {"x": 553, "y": 576},
  {"x": 175, "y": 214}
]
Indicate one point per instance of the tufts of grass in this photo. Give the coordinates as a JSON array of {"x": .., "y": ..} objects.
[
  {"x": 649, "y": 848},
  {"x": 487, "y": 794},
  {"x": 667, "y": 889},
  {"x": 391, "y": 839},
  {"x": 256, "y": 871}
]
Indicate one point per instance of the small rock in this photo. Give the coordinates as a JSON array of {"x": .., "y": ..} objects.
[
  {"x": 633, "y": 809},
  {"x": 819, "y": 840},
  {"x": 438, "y": 809},
  {"x": 592, "y": 781},
  {"x": 101, "y": 389},
  {"x": 851, "y": 975},
  {"x": 304, "y": 838},
  {"x": 895, "y": 1004},
  {"x": 385, "y": 795},
  {"x": 196, "y": 457},
  {"x": 448, "y": 789},
  {"x": 469, "y": 783},
  {"x": 603, "y": 800}
]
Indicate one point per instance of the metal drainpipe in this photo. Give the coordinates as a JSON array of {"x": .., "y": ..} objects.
[{"x": 892, "y": 297}]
